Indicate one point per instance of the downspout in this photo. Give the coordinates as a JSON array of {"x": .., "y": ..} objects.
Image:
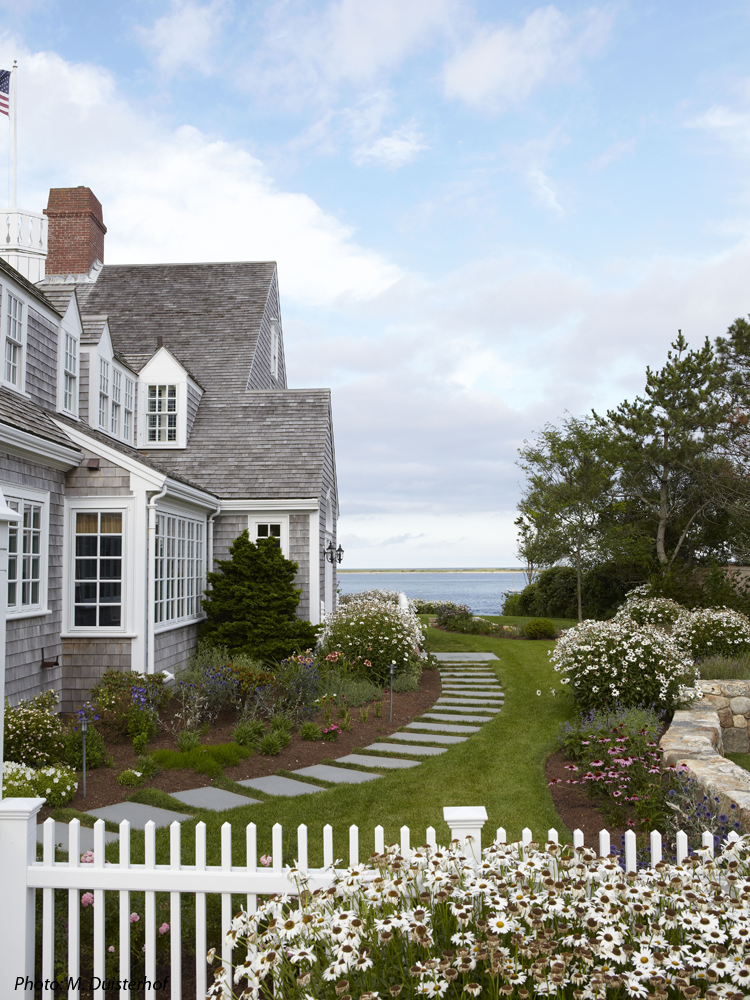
[
  {"x": 210, "y": 547},
  {"x": 151, "y": 583}
]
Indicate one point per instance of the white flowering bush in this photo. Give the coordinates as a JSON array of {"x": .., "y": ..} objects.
[
  {"x": 620, "y": 662},
  {"x": 56, "y": 784},
  {"x": 540, "y": 922},
  {"x": 713, "y": 632},
  {"x": 34, "y": 735},
  {"x": 376, "y": 594},
  {"x": 368, "y": 634},
  {"x": 651, "y": 610}
]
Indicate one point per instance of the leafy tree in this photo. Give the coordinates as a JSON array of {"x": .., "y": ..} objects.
[
  {"x": 252, "y": 602},
  {"x": 569, "y": 487},
  {"x": 538, "y": 545},
  {"x": 670, "y": 447}
]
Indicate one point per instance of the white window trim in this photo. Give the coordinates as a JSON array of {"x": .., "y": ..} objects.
[
  {"x": 181, "y": 403},
  {"x": 175, "y": 510},
  {"x": 69, "y": 411},
  {"x": 268, "y": 517},
  {"x": 124, "y": 505},
  {"x": 23, "y": 343},
  {"x": 15, "y": 491}
]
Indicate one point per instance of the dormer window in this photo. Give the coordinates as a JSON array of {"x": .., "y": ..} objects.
[
  {"x": 127, "y": 413},
  {"x": 70, "y": 374},
  {"x": 162, "y": 413},
  {"x": 14, "y": 341},
  {"x": 275, "y": 350},
  {"x": 103, "y": 393}
]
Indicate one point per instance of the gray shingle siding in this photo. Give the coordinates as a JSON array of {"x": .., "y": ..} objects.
[
  {"x": 84, "y": 661},
  {"x": 299, "y": 552},
  {"x": 226, "y": 528},
  {"x": 171, "y": 649},
  {"x": 193, "y": 399},
  {"x": 108, "y": 480},
  {"x": 260, "y": 374},
  {"x": 26, "y": 637},
  {"x": 41, "y": 359}
]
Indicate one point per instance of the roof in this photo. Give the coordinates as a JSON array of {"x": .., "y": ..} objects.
[
  {"x": 204, "y": 313},
  {"x": 59, "y": 295},
  {"x": 20, "y": 412},
  {"x": 27, "y": 286},
  {"x": 265, "y": 444},
  {"x": 138, "y": 456},
  {"x": 93, "y": 327}
]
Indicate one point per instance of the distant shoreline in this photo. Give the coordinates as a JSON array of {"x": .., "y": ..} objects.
[{"x": 506, "y": 569}]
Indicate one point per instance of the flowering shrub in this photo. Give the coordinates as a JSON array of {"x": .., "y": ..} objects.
[
  {"x": 713, "y": 631},
  {"x": 613, "y": 662},
  {"x": 370, "y": 634},
  {"x": 377, "y": 594},
  {"x": 34, "y": 735},
  {"x": 128, "y": 702},
  {"x": 650, "y": 610},
  {"x": 423, "y": 607},
  {"x": 56, "y": 784},
  {"x": 448, "y": 613},
  {"x": 554, "y": 922}
]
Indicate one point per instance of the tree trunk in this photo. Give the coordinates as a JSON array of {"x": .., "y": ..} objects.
[
  {"x": 661, "y": 533},
  {"x": 578, "y": 573}
]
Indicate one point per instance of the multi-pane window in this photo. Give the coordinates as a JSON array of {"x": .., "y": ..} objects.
[
  {"x": 103, "y": 392},
  {"x": 24, "y": 556},
  {"x": 98, "y": 569},
  {"x": 13, "y": 340},
  {"x": 268, "y": 531},
  {"x": 162, "y": 413},
  {"x": 178, "y": 569},
  {"x": 114, "y": 419},
  {"x": 70, "y": 373},
  {"x": 127, "y": 413}
]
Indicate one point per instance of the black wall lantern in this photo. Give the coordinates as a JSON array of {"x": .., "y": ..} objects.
[{"x": 334, "y": 555}]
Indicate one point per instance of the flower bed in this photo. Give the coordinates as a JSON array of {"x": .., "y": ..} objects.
[{"x": 518, "y": 922}]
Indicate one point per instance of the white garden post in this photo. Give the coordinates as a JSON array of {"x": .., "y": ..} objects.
[
  {"x": 18, "y": 851},
  {"x": 467, "y": 821}
]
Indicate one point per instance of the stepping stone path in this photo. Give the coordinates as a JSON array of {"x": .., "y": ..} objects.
[{"x": 470, "y": 694}]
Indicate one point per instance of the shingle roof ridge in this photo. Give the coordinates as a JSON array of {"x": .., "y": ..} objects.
[{"x": 193, "y": 263}]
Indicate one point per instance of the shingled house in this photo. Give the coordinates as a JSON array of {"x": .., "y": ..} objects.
[{"x": 145, "y": 421}]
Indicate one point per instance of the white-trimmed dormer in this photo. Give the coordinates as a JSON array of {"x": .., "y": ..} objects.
[
  {"x": 168, "y": 401},
  {"x": 69, "y": 360},
  {"x": 113, "y": 396}
]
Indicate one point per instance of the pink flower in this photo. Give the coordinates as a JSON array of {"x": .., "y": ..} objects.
[
  {"x": 87, "y": 899},
  {"x": 164, "y": 928},
  {"x": 111, "y": 948},
  {"x": 87, "y": 858},
  {"x": 367, "y": 663},
  {"x": 134, "y": 918},
  {"x": 266, "y": 860}
]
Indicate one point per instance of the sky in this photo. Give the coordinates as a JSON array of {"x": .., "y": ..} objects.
[{"x": 486, "y": 215}]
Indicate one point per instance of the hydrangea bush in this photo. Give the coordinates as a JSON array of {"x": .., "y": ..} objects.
[
  {"x": 650, "y": 610},
  {"x": 620, "y": 662},
  {"x": 56, "y": 784},
  {"x": 534, "y": 922},
  {"x": 369, "y": 634},
  {"x": 713, "y": 631}
]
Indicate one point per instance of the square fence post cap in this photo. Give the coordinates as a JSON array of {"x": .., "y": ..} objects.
[
  {"x": 453, "y": 815},
  {"x": 19, "y": 808}
]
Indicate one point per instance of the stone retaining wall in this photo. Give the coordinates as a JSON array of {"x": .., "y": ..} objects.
[
  {"x": 695, "y": 741},
  {"x": 731, "y": 699}
]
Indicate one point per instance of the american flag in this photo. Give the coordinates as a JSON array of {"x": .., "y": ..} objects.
[{"x": 5, "y": 92}]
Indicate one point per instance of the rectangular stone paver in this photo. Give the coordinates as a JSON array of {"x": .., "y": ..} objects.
[
  {"x": 464, "y": 657},
  {"x": 138, "y": 814},
  {"x": 446, "y": 727},
  {"x": 86, "y": 838},
  {"x": 212, "y": 798},
  {"x": 448, "y": 703},
  {"x": 275, "y": 784},
  {"x": 462, "y": 696},
  {"x": 427, "y": 738},
  {"x": 341, "y": 775},
  {"x": 417, "y": 751},
  {"x": 384, "y": 762},
  {"x": 470, "y": 689},
  {"x": 455, "y": 718}
]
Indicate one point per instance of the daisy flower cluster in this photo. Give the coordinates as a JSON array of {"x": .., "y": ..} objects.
[
  {"x": 522, "y": 922},
  {"x": 373, "y": 630},
  {"x": 621, "y": 662},
  {"x": 56, "y": 783},
  {"x": 34, "y": 734},
  {"x": 650, "y": 610},
  {"x": 712, "y": 632}
]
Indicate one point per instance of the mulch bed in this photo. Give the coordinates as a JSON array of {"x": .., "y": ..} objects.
[
  {"x": 576, "y": 809},
  {"x": 103, "y": 790}
]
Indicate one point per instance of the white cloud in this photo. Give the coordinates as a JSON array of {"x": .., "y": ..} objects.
[
  {"x": 502, "y": 66},
  {"x": 392, "y": 151},
  {"x": 613, "y": 152},
  {"x": 185, "y": 38},
  {"x": 173, "y": 195}
]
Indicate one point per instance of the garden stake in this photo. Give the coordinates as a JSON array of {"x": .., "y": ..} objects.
[
  {"x": 84, "y": 730},
  {"x": 392, "y": 668}
]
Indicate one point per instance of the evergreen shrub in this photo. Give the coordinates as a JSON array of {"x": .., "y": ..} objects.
[
  {"x": 96, "y": 751},
  {"x": 540, "y": 628},
  {"x": 252, "y": 603}
]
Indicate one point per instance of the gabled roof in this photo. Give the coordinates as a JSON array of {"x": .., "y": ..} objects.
[
  {"x": 58, "y": 295},
  {"x": 20, "y": 412},
  {"x": 93, "y": 327},
  {"x": 267, "y": 444},
  {"x": 208, "y": 315},
  {"x": 10, "y": 272}
]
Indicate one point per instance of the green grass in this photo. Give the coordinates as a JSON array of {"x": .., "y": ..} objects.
[{"x": 743, "y": 759}]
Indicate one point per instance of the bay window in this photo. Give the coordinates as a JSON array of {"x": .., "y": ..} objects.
[
  {"x": 179, "y": 570},
  {"x": 98, "y": 569}
]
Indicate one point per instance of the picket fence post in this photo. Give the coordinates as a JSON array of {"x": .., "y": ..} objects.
[
  {"x": 466, "y": 821},
  {"x": 17, "y": 914}
]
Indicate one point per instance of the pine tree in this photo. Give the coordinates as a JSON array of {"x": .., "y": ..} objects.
[{"x": 252, "y": 603}]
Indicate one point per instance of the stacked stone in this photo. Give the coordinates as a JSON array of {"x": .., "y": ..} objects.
[{"x": 731, "y": 699}]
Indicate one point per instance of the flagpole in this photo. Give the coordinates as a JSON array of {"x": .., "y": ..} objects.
[{"x": 15, "y": 134}]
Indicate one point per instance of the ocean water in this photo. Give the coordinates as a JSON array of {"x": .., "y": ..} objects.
[{"x": 483, "y": 592}]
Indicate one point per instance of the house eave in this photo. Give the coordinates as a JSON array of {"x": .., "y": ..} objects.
[
  {"x": 38, "y": 449},
  {"x": 269, "y": 503}
]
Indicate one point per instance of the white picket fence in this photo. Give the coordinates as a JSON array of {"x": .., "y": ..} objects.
[{"x": 21, "y": 875}]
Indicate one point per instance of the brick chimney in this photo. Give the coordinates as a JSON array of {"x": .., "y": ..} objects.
[{"x": 76, "y": 231}]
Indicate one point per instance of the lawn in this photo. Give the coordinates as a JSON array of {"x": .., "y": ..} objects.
[{"x": 501, "y": 768}]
